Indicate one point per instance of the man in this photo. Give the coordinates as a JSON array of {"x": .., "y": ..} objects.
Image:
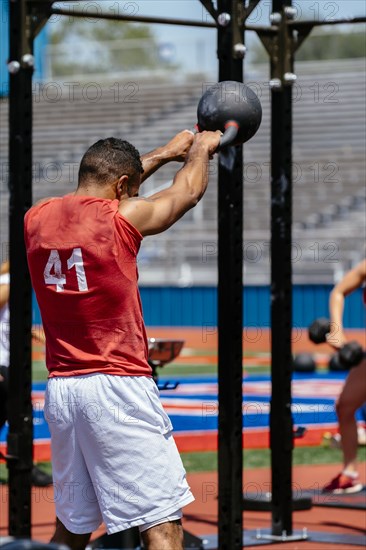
[
  {"x": 353, "y": 394},
  {"x": 114, "y": 458}
]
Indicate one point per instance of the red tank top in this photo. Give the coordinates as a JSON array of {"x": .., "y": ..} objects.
[{"x": 82, "y": 261}]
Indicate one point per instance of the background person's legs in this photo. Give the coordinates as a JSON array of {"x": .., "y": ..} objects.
[
  {"x": 39, "y": 478},
  {"x": 351, "y": 398}
]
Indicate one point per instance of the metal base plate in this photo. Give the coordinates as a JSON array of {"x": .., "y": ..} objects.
[
  {"x": 210, "y": 542},
  {"x": 250, "y": 538},
  {"x": 264, "y": 502},
  {"x": 352, "y": 501},
  {"x": 307, "y": 499}
]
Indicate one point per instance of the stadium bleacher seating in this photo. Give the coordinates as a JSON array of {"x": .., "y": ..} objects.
[{"x": 329, "y": 208}]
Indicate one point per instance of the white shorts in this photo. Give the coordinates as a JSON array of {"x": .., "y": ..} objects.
[{"x": 114, "y": 458}]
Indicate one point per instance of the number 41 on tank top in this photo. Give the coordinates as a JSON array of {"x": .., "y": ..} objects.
[{"x": 57, "y": 277}]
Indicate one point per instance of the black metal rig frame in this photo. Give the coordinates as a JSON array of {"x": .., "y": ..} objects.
[{"x": 27, "y": 17}]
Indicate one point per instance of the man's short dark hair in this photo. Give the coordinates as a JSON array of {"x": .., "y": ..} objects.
[{"x": 107, "y": 160}]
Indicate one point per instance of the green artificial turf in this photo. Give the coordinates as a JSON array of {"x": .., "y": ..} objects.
[
  {"x": 187, "y": 370},
  {"x": 39, "y": 370},
  {"x": 204, "y": 370},
  {"x": 260, "y": 458}
]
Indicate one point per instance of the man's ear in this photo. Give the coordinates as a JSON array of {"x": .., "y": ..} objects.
[{"x": 122, "y": 186}]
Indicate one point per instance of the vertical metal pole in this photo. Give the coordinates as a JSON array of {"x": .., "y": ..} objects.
[
  {"x": 20, "y": 438},
  {"x": 230, "y": 316},
  {"x": 281, "y": 304}
]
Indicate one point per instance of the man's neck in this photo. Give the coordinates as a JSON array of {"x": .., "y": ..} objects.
[{"x": 90, "y": 190}]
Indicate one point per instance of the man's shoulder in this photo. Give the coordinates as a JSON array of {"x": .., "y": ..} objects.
[
  {"x": 44, "y": 201},
  {"x": 41, "y": 202}
]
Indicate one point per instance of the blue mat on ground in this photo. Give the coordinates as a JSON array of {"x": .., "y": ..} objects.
[{"x": 193, "y": 405}]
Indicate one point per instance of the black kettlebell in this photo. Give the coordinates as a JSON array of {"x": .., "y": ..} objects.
[
  {"x": 351, "y": 354},
  {"x": 304, "y": 362},
  {"x": 231, "y": 107}
]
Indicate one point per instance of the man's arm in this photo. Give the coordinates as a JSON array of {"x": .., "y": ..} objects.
[
  {"x": 175, "y": 150},
  {"x": 352, "y": 280},
  {"x": 160, "y": 211}
]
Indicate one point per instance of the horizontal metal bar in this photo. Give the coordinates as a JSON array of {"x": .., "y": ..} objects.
[
  {"x": 134, "y": 18},
  {"x": 346, "y": 20},
  {"x": 261, "y": 28},
  {"x": 146, "y": 19}
]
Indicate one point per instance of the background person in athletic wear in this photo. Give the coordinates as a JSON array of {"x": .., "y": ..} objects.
[
  {"x": 353, "y": 394},
  {"x": 111, "y": 439},
  {"x": 39, "y": 478}
]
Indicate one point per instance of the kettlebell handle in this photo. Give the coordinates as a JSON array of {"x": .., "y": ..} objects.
[{"x": 231, "y": 131}]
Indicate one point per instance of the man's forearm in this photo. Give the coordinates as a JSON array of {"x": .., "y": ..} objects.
[
  {"x": 153, "y": 161},
  {"x": 176, "y": 149}
]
